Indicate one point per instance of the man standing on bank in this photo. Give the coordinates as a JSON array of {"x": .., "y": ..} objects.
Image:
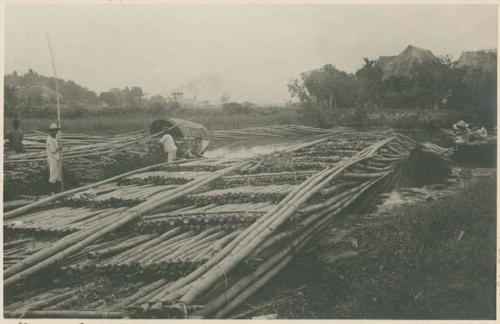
[
  {"x": 15, "y": 137},
  {"x": 169, "y": 147},
  {"x": 54, "y": 158}
]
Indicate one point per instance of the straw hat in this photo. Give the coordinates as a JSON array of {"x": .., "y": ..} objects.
[{"x": 54, "y": 126}]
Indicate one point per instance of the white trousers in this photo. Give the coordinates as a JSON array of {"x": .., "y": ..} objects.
[
  {"x": 171, "y": 155},
  {"x": 55, "y": 170}
]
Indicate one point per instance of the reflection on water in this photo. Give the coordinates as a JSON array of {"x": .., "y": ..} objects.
[
  {"x": 411, "y": 196},
  {"x": 259, "y": 145},
  {"x": 393, "y": 198}
]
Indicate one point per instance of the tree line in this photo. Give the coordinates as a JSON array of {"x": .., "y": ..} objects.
[
  {"x": 322, "y": 93},
  {"x": 439, "y": 84},
  {"x": 32, "y": 95}
]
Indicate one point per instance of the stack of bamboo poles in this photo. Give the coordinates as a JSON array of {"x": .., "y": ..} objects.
[
  {"x": 336, "y": 147},
  {"x": 263, "y": 179},
  {"x": 274, "y": 165},
  {"x": 75, "y": 242},
  {"x": 61, "y": 302},
  {"x": 61, "y": 221},
  {"x": 110, "y": 182},
  {"x": 117, "y": 196},
  {"x": 222, "y": 217},
  {"x": 374, "y": 168},
  {"x": 92, "y": 300},
  {"x": 317, "y": 159},
  {"x": 311, "y": 158},
  {"x": 83, "y": 147},
  {"x": 86, "y": 159},
  {"x": 270, "y": 131},
  {"x": 36, "y": 142},
  {"x": 242, "y": 194},
  {"x": 16, "y": 249},
  {"x": 170, "y": 255},
  {"x": 162, "y": 178},
  {"x": 173, "y": 269},
  {"x": 205, "y": 165},
  {"x": 199, "y": 275}
]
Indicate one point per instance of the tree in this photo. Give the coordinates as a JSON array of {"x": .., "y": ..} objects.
[
  {"x": 326, "y": 85},
  {"x": 11, "y": 101},
  {"x": 157, "y": 104},
  {"x": 369, "y": 71},
  {"x": 322, "y": 90},
  {"x": 480, "y": 85},
  {"x": 134, "y": 97},
  {"x": 369, "y": 83},
  {"x": 430, "y": 88},
  {"x": 72, "y": 93},
  {"x": 109, "y": 98},
  {"x": 233, "y": 108}
]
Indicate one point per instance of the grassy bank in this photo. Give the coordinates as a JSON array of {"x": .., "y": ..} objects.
[
  {"x": 121, "y": 122},
  {"x": 431, "y": 261}
]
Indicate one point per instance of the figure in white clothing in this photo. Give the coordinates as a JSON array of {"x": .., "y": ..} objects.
[
  {"x": 169, "y": 147},
  {"x": 54, "y": 158}
]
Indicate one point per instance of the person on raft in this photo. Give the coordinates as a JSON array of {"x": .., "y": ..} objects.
[
  {"x": 54, "y": 158},
  {"x": 169, "y": 146},
  {"x": 15, "y": 137}
]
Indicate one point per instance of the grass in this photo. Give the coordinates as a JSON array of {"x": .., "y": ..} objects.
[
  {"x": 122, "y": 122},
  {"x": 432, "y": 261},
  {"x": 118, "y": 121}
]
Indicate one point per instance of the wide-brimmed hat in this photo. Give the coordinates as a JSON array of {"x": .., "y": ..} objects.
[{"x": 54, "y": 126}]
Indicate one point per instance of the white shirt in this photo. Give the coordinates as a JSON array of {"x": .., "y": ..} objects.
[
  {"x": 52, "y": 145},
  {"x": 168, "y": 143}
]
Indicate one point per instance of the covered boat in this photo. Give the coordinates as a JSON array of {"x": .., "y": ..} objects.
[
  {"x": 191, "y": 138},
  {"x": 472, "y": 144}
]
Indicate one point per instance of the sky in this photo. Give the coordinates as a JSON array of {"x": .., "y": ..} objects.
[{"x": 250, "y": 51}]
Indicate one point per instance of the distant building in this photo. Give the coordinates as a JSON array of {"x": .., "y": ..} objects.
[
  {"x": 404, "y": 64},
  {"x": 383, "y": 61},
  {"x": 193, "y": 101},
  {"x": 177, "y": 96},
  {"x": 486, "y": 60},
  {"x": 226, "y": 97}
]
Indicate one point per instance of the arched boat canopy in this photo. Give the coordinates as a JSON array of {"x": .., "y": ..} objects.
[{"x": 180, "y": 128}]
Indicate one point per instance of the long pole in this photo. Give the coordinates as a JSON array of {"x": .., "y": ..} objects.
[{"x": 58, "y": 112}]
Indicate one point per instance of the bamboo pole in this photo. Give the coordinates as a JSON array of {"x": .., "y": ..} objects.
[
  {"x": 272, "y": 221},
  {"x": 41, "y": 202},
  {"x": 258, "y": 226},
  {"x": 60, "y": 250},
  {"x": 64, "y": 314},
  {"x": 245, "y": 288},
  {"x": 58, "y": 112},
  {"x": 139, "y": 294}
]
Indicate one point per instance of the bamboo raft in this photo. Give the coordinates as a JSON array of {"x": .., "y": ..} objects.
[
  {"x": 76, "y": 145},
  {"x": 90, "y": 158},
  {"x": 207, "y": 235},
  {"x": 87, "y": 159},
  {"x": 269, "y": 131}
]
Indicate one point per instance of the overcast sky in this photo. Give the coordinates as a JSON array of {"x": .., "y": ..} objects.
[{"x": 249, "y": 51}]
